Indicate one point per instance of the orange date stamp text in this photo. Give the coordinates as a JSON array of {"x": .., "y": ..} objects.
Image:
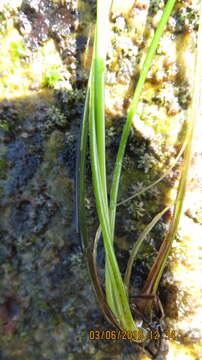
[{"x": 136, "y": 335}]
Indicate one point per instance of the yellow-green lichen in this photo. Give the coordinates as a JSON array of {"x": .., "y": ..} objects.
[{"x": 22, "y": 75}]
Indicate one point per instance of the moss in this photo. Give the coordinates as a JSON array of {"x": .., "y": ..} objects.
[
  {"x": 39, "y": 71},
  {"x": 3, "y": 168},
  {"x": 55, "y": 118},
  {"x": 17, "y": 50},
  {"x": 53, "y": 146},
  {"x": 56, "y": 141},
  {"x": 4, "y": 125},
  {"x": 137, "y": 209},
  {"x": 52, "y": 77},
  {"x": 71, "y": 103}
]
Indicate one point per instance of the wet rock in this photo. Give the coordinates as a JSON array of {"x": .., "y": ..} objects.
[
  {"x": 41, "y": 20},
  {"x": 42, "y": 263},
  {"x": 9, "y": 315},
  {"x": 69, "y": 153},
  {"x": 47, "y": 303},
  {"x": 23, "y": 161}
]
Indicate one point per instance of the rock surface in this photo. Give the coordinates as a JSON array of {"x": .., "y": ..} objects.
[{"x": 47, "y": 305}]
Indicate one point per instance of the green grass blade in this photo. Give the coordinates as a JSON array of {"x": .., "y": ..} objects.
[
  {"x": 100, "y": 48},
  {"x": 124, "y": 315},
  {"x": 82, "y": 219},
  {"x": 92, "y": 256},
  {"x": 122, "y": 308},
  {"x": 80, "y": 180},
  {"x": 138, "y": 244},
  {"x": 115, "y": 290},
  {"x": 90, "y": 253},
  {"x": 156, "y": 271},
  {"x": 133, "y": 108}
]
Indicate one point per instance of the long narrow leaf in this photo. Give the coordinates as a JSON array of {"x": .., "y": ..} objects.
[
  {"x": 80, "y": 177},
  {"x": 121, "y": 306},
  {"x": 138, "y": 244},
  {"x": 125, "y": 316},
  {"x": 156, "y": 271},
  {"x": 133, "y": 108}
]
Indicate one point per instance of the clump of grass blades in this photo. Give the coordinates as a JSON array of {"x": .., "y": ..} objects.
[
  {"x": 153, "y": 279},
  {"x": 115, "y": 304}
]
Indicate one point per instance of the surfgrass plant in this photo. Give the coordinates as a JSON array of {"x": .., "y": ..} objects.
[{"x": 114, "y": 300}]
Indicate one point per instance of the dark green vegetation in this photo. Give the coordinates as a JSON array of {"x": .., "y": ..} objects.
[{"x": 115, "y": 302}]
